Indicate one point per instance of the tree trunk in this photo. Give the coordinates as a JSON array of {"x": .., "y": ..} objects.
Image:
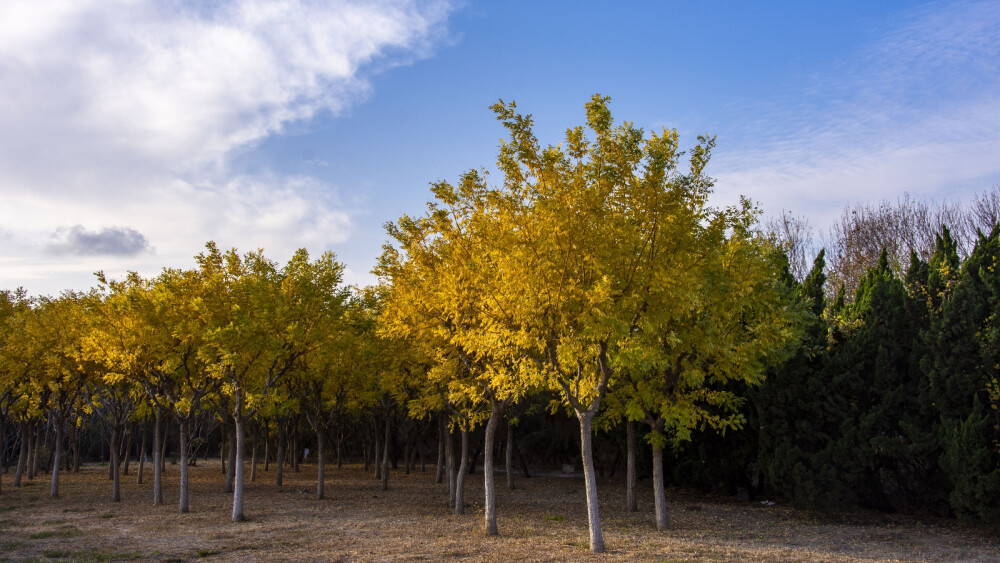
[
  {"x": 340, "y": 445},
  {"x": 22, "y": 456},
  {"x": 509, "y": 454},
  {"x": 56, "y": 452},
  {"x": 182, "y": 504},
  {"x": 630, "y": 473},
  {"x": 385, "y": 454},
  {"x": 3, "y": 448},
  {"x": 449, "y": 455},
  {"x": 490, "y": 505},
  {"x": 231, "y": 467},
  {"x": 460, "y": 477},
  {"x": 442, "y": 434},
  {"x": 295, "y": 450},
  {"x": 116, "y": 489},
  {"x": 238, "y": 464},
  {"x": 267, "y": 445},
  {"x": 157, "y": 458},
  {"x": 279, "y": 462},
  {"x": 320, "y": 463},
  {"x": 376, "y": 453},
  {"x": 128, "y": 450},
  {"x": 163, "y": 447},
  {"x": 35, "y": 450},
  {"x": 75, "y": 438},
  {"x": 587, "y": 455},
  {"x": 659, "y": 496},
  {"x": 253, "y": 455},
  {"x": 142, "y": 453}
]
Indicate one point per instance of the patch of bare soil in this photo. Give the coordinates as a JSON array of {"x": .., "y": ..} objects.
[{"x": 544, "y": 519}]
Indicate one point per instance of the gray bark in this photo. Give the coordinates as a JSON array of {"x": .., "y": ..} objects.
[
  {"x": 279, "y": 462},
  {"x": 128, "y": 450},
  {"x": 22, "y": 456},
  {"x": 231, "y": 468},
  {"x": 385, "y": 454},
  {"x": 509, "y": 454},
  {"x": 439, "y": 472},
  {"x": 157, "y": 458},
  {"x": 253, "y": 456},
  {"x": 35, "y": 449},
  {"x": 267, "y": 446},
  {"x": 587, "y": 454},
  {"x": 630, "y": 472},
  {"x": 321, "y": 464},
  {"x": 490, "y": 505},
  {"x": 240, "y": 441},
  {"x": 182, "y": 504},
  {"x": 659, "y": 496},
  {"x": 142, "y": 454},
  {"x": 56, "y": 457},
  {"x": 463, "y": 470},
  {"x": 116, "y": 489},
  {"x": 449, "y": 456}
]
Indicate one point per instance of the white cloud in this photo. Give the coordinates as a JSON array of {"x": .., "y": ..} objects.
[
  {"x": 917, "y": 112},
  {"x": 125, "y": 112}
]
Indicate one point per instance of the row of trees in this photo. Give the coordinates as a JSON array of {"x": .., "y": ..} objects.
[{"x": 595, "y": 280}]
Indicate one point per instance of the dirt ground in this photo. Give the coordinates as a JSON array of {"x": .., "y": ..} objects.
[{"x": 544, "y": 519}]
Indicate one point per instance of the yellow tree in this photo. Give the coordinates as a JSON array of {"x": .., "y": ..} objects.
[{"x": 604, "y": 232}]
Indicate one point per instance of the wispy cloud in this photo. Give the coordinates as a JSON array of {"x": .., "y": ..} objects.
[
  {"x": 917, "y": 111},
  {"x": 127, "y": 111}
]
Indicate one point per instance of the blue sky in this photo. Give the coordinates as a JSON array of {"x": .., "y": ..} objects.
[{"x": 132, "y": 131}]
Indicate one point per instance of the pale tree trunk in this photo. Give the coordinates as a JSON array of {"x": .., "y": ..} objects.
[
  {"x": 385, "y": 454},
  {"x": 182, "y": 504},
  {"x": 238, "y": 465},
  {"x": 659, "y": 496},
  {"x": 449, "y": 456},
  {"x": 460, "y": 477},
  {"x": 22, "y": 456},
  {"x": 490, "y": 505},
  {"x": 630, "y": 472},
  {"x": 253, "y": 455},
  {"x": 35, "y": 449},
  {"x": 279, "y": 462},
  {"x": 116, "y": 489},
  {"x": 587, "y": 454},
  {"x": 233, "y": 453},
  {"x": 157, "y": 458},
  {"x": 267, "y": 446},
  {"x": 509, "y": 454},
  {"x": 163, "y": 448},
  {"x": 439, "y": 472},
  {"x": 56, "y": 457},
  {"x": 320, "y": 463},
  {"x": 128, "y": 450},
  {"x": 142, "y": 454}
]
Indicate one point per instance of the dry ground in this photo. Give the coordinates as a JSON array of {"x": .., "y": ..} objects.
[{"x": 543, "y": 520}]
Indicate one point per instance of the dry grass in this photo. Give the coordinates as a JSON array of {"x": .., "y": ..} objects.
[{"x": 543, "y": 520}]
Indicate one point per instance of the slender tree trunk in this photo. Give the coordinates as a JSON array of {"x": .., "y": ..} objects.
[
  {"x": 376, "y": 453},
  {"x": 75, "y": 438},
  {"x": 158, "y": 458},
  {"x": 128, "y": 450},
  {"x": 36, "y": 450},
  {"x": 142, "y": 453},
  {"x": 442, "y": 433},
  {"x": 490, "y": 504},
  {"x": 240, "y": 440},
  {"x": 231, "y": 467},
  {"x": 267, "y": 445},
  {"x": 587, "y": 454},
  {"x": 659, "y": 496},
  {"x": 253, "y": 455},
  {"x": 295, "y": 450},
  {"x": 340, "y": 446},
  {"x": 22, "y": 456},
  {"x": 449, "y": 455},
  {"x": 279, "y": 462},
  {"x": 509, "y": 454},
  {"x": 116, "y": 489},
  {"x": 183, "y": 500},
  {"x": 56, "y": 452},
  {"x": 630, "y": 472},
  {"x": 385, "y": 454},
  {"x": 320, "y": 462},
  {"x": 163, "y": 447},
  {"x": 463, "y": 470}
]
